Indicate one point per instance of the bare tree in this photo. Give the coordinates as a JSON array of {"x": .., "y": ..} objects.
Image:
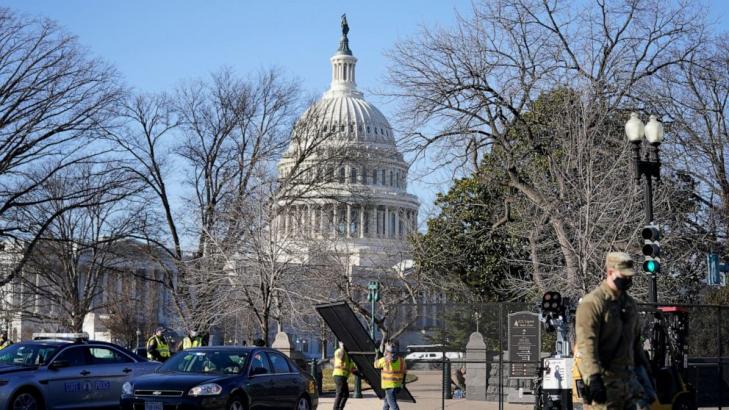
[
  {"x": 69, "y": 268},
  {"x": 483, "y": 86},
  {"x": 53, "y": 100},
  {"x": 225, "y": 135}
]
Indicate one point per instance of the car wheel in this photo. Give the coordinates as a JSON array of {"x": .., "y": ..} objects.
[
  {"x": 303, "y": 403},
  {"x": 235, "y": 403},
  {"x": 26, "y": 400}
]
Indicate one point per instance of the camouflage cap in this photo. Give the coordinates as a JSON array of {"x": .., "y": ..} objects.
[{"x": 620, "y": 261}]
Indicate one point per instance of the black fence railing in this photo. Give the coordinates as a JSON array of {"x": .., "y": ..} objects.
[{"x": 449, "y": 327}]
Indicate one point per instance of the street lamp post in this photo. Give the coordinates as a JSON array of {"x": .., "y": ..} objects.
[
  {"x": 648, "y": 166},
  {"x": 138, "y": 333},
  {"x": 373, "y": 296}
]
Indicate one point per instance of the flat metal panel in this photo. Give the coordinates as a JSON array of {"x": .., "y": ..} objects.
[{"x": 360, "y": 346}]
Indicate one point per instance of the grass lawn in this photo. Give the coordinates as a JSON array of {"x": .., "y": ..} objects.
[{"x": 328, "y": 381}]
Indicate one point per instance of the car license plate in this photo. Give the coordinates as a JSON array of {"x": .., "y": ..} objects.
[{"x": 153, "y": 405}]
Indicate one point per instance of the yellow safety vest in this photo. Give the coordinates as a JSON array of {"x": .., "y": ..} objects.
[
  {"x": 5, "y": 344},
  {"x": 343, "y": 366},
  {"x": 392, "y": 374},
  {"x": 187, "y": 342},
  {"x": 162, "y": 347}
]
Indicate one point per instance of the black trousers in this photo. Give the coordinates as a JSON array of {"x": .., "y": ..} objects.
[{"x": 342, "y": 392}]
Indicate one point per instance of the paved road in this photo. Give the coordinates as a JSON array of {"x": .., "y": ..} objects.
[{"x": 427, "y": 393}]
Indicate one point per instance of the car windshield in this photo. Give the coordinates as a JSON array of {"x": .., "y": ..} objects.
[
  {"x": 206, "y": 361},
  {"x": 23, "y": 354}
]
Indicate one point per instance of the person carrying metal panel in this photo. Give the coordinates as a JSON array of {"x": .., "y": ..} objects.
[
  {"x": 392, "y": 375},
  {"x": 343, "y": 366}
]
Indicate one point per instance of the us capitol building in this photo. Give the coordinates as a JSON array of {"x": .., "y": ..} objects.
[{"x": 360, "y": 206}]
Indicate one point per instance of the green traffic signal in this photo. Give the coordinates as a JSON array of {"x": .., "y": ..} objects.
[{"x": 651, "y": 266}]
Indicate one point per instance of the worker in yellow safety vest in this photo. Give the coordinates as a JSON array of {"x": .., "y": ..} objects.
[
  {"x": 157, "y": 347},
  {"x": 343, "y": 367},
  {"x": 392, "y": 376},
  {"x": 4, "y": 341},
  {"x": 193, "y": 339}
]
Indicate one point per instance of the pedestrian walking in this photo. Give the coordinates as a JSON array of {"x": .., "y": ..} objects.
[
  {"x": 157, "y": 346},
  {"x": 392, "y": 375},
  {"x": 608, "y": 342},
  {"x": 343, "y": 366}
]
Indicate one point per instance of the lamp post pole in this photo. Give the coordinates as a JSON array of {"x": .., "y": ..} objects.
[
  {"x": 373, "y": 296},
  {"x": 138, "y": 333},
  {"x": 648, "y": 166}
]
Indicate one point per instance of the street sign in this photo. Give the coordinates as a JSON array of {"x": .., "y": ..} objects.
[{"x": 525, "y": 340}]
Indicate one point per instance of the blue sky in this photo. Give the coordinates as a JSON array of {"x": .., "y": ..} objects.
[{"x": 156, "y": 44}]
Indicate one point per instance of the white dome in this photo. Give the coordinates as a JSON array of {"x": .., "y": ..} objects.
[
  {"x": 353, "y": 118},
  {"x": 355, "y": 199}
]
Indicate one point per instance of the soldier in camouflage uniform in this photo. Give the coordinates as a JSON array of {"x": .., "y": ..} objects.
[{"x": 608, "y": 338}]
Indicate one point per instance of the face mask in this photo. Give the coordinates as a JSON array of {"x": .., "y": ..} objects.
[{"x": 623, "y": 284}]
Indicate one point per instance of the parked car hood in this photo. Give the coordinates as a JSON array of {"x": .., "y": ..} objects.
[{"x": 174, "y": 381}]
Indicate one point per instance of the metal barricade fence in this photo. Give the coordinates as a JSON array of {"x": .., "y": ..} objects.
[{"x": 448, "y": 326}]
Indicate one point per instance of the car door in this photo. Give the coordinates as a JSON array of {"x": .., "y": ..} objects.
[
  {"x": 68, "y": 380},
  {"x": 260, "y": 382},
  {"x": 285, "y": 382},
  {"x": 110, "y": 368}
]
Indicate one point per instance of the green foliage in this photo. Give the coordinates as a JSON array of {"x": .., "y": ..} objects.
[{"x": 461, "y": 245}]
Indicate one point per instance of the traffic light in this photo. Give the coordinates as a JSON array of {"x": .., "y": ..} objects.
[
  {"x": 651, "y": 249},
  {"x": 373, "y": 291},
  {"x": 552, "y": 302},
  {"x": 716, "y": 270}
]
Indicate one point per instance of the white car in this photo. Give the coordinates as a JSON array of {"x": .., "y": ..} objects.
[{"x": 434, "y": 356}]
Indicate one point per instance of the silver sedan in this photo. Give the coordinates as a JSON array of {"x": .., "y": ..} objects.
[{"x": 57, "y": 374}]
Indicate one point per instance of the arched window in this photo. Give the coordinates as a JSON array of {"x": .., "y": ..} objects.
[
  {"x": 353, "y": 175},
  {"x": 342, "y": 175},
  {"x": 392, "y": 224},
  {"x": 354, "y": 222},
  {"x": 366, "y": 226},
  {"x": 342, "y": 220}
]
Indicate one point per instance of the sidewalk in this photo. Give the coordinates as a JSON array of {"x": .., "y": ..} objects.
[{"x": 427, "y": 393}]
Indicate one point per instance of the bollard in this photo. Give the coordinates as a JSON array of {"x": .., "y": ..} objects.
[
  {"x": 447, "y": 379},
  {"x": 319, "y": 377},
  {"x": 357, "y": 387},
  {"x": 314, "y": 373}
]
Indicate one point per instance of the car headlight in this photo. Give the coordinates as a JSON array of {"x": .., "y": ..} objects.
[
  {"x": 208, "y": 389},
  {"x": 128, "y": 389}
]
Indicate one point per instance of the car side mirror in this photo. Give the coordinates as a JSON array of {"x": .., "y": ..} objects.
[{"x": 58, "y": 364}]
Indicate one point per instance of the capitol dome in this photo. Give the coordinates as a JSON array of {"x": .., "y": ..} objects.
[{"x": 343, "y": 153}]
